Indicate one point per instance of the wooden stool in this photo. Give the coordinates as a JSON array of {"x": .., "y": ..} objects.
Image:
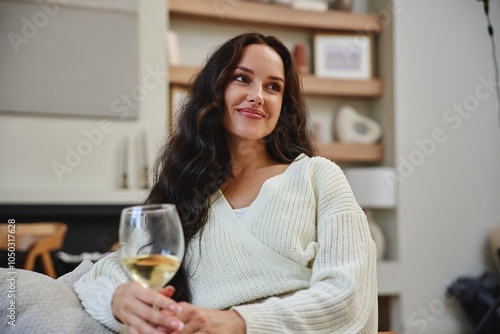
[{"x": 35, "y": 239}]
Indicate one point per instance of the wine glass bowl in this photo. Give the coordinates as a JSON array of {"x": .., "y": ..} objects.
[{"x": 151, "y": 243}]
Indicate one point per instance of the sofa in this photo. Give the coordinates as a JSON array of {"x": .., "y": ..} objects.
[{"x": 36, "y": 303}]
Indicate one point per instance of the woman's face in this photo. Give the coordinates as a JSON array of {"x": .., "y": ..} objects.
[{"x": 254, "y": 94}]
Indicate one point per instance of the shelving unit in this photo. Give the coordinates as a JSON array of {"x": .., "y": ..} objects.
[{"x": 262, "y": 14}]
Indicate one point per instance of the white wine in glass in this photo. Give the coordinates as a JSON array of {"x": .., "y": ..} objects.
[{"x": 151, "y": 243}]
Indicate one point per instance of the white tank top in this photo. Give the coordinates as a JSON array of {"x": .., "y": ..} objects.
[{"x": 240, "y": 212}]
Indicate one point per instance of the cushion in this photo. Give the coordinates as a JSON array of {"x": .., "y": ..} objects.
[{"x": 37, "y": 303}]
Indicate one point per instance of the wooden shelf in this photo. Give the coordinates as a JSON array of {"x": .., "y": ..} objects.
[
  {"x": 254, "y": 13},
  {"x": 342, "y": 152},
  {"x": 180, "y": 75},
  {"x": 341, "y": 88}
]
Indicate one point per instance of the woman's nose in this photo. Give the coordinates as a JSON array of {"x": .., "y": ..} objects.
[{"x": 255, "y": 96}]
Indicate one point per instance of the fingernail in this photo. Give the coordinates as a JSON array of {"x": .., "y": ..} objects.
[
  {"x": 177, "y": 325},
  {"x": 173, "y": 308},
  {"x": 179, "y": 311}
]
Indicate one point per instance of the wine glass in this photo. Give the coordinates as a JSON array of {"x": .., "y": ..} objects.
[{"x": 152, "y": 243}]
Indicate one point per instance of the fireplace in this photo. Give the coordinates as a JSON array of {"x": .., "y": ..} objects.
[{"x": 91, "y": 228}]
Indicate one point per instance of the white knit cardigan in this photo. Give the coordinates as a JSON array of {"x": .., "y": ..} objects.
[{"x": 300, "y": 260}]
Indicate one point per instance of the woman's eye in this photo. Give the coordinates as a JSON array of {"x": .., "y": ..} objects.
[
  {"x": 275, "y": 87},
  {"x": 241, "y": 78}
]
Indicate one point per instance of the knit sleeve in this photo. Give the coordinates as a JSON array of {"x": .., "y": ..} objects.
[
  {"x": 342, "y": 297},
  {"x": 96, "y": 288}
]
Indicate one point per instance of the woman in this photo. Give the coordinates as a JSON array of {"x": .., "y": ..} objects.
[{"x": 276, "y": 241}]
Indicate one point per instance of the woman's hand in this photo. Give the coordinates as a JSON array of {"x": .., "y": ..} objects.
[
  {"x": 132, "y": 305},
  {"x": 200, "y": 320}
]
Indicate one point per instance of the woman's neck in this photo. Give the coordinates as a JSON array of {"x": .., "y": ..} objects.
[{"x": 247, "y": 157}]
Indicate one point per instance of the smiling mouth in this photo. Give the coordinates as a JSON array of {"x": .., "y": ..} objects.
[{"x": 251, "y": 113}]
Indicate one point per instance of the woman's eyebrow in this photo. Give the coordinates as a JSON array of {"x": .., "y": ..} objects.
[
  {"x": 277, "y": 78},
  {"x": 245, "y": 69}
]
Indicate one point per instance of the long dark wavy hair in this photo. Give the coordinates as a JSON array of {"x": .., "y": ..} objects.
[{"x": 195, "y": 160}]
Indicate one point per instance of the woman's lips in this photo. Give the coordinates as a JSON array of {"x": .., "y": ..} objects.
[{"x": 251, "y": 113}]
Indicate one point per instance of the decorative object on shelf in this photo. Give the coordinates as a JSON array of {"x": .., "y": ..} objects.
[
  {"x": 317, "y": 131},
  {"x": 124, "y": 178},
  {"x": 344, "y": 56},
  {"x": 299, "y": 52},
  {"x": 341, "y": 4},
  {"x": 352, "y": 127},
  {"x": 320, "y": 125},
  {"x": 312, "y": 5},
  {"x": 172, "y": 48},
  {"x": 377, "y": 234},
  {"x": 373, "y": 189},
  {"x": 145, "y": 161}
]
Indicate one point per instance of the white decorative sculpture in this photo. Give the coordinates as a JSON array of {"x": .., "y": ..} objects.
[{"x": 352, "y": 127}]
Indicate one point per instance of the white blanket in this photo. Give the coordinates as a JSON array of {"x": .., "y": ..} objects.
[{"x": 41, "y": 304}]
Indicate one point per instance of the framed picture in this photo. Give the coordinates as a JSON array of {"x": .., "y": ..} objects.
[
  {"x": 178, "y": 95},
  {"x": 343, "y": 56}
]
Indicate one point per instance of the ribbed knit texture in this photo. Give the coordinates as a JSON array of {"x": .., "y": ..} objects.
[
  {"x": 307, "y": 215},
  {"x": 95, "y": 289}
]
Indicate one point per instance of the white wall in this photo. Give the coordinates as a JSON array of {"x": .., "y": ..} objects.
[
  {"x": 449, "y": 202},
  {"x": 30, "y": 144}
]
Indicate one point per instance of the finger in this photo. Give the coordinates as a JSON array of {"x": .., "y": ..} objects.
[
  {"x": 194, "y": 321},
  {"x": 187, "y": 313},
  {"x": 156, "y": 317},
  {"x": 168, "y": 291},
  {"x": 151, "y": 298},
  {"x": 131, "y": 330},
  {"x": 163, "y": 329},
  {"x": 139, "y": 326},
  {"x": 190, "y": 327}
]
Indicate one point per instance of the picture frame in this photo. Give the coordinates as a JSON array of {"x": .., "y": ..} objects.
[
  {"x": 178, "y": 94},
  {"x": 344, "y": 56}
]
